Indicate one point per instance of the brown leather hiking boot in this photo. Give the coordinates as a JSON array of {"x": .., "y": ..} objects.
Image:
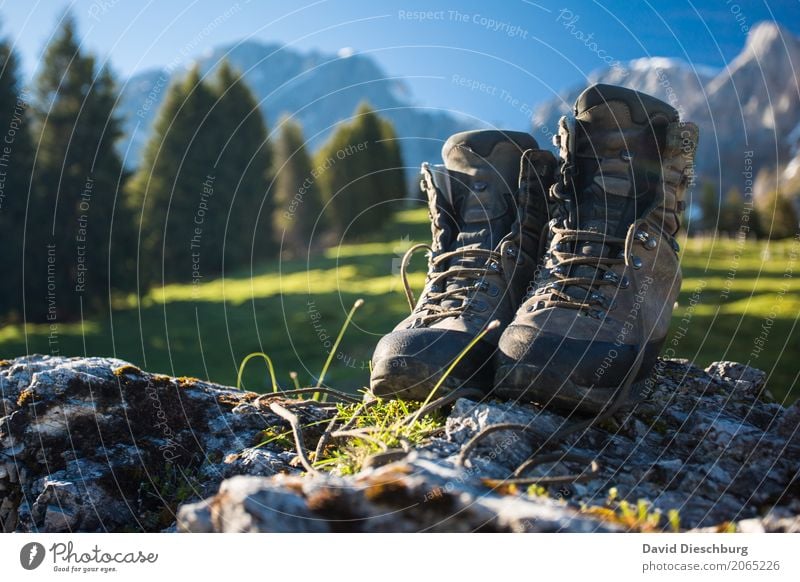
[
  {"x": 487, "y": 207},
  {"x": 587, "y": 336}
]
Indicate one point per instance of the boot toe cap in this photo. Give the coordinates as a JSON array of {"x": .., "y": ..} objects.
[
  {"x": 548, "y": 368},
  {"x": 408, "y": 363}
]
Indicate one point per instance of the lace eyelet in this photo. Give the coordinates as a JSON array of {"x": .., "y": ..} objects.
[
  {"x": 636, "y": 262},
  {"x": 610, "y": 276},
  {"x": 651, "y": 244},
  {"x": 624, "y": 283}
]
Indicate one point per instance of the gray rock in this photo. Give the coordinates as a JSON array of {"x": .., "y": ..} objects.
[
  {"x": 683, "y": 438},
  {"x": 250, "y": 504},
  {"x": 94, "y": 444}
]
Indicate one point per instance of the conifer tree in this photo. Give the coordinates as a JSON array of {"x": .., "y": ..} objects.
[
  {"x": 16, "y": 159},
  {"x": 777, "y": 217},
  {"x": 174, "y": 189},
  {"x": 710, "y": 208},
  {"x": 243, "y": 169},
  {"x": 730, "y": 215},
  {"x": 354, "y": 179},
  {"x": 297, "y": 197},
  {"x": 393, "y": 174},
  {"x": 74, "y": 264}
]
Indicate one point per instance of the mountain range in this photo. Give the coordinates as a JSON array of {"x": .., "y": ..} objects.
[
  {"x": 319, "y": 90},
  {"x": 748, "y": 111}
]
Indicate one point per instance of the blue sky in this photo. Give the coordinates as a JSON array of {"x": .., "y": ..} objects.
[{"x": 507, "y": 55}]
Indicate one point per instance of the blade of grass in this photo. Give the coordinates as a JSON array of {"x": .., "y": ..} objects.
[
  {"x": 356, "y": 305},
  {"x": 269, "y": 365},
  {"x": 492, "y": 325}
]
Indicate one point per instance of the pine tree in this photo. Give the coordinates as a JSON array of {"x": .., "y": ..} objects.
[
  {"x": 354, "y": 178},
  {"x": 174, "y": 189},
  {"x": 393, "y": 174},
  {"x": 777, "y": 216},
  {"x": 730, "y": 215},
  {"x": 16, "y": 160},
  {"x": 297, "y": 196},
  {"x": 710, "y": 208},
  {"x": 74, "y": 263},
  {"x": 242, "y": 172}
]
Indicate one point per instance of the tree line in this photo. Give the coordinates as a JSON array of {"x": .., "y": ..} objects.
[
  {"x": 767, "y": 211},
  {"x": 214, "y": 192}
]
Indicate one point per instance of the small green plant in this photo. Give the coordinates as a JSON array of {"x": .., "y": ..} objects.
[
  {"x": 162, "y": 493},
  {"x": 272, "y": 434},
  {"x": 537, "y": 490},
  {"x": 641, "y": 517},
  {"x": 674, "y": 519},
  {"x": 372, "y": 428},
  {"x": 384, "y": 419}
]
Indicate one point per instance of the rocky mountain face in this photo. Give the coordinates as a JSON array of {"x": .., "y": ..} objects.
[
  {"x": 318, "y": 90},
  {"x": 748, "y": 112},
  {"x": 95, "y": 444}
]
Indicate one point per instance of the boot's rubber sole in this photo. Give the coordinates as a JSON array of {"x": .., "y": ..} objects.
[{"x": 531, "y": 383}]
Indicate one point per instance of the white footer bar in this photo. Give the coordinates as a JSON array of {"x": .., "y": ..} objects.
[{"x": 408, "y": 557}]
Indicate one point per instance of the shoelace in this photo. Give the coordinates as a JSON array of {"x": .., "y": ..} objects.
[
  {"x": 539, "y": 457},
  {"x": 559, "y": 278},
  {"x": 462, "y": 293},
  {"x": 561, "y": 191}
]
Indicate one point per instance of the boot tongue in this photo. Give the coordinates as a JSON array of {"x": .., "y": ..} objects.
[
  {"x": 617, "y": 155},
  {"x": 482, "y": 214},
  {"x": 617, "y": 163},
  {"x": 483, "y": 168},
  {"x": 483, "y": 177}
]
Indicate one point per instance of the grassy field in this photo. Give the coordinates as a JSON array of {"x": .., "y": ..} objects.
[{"x": 733, "y": 296}]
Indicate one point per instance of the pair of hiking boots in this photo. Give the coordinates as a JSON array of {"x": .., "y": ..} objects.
[{"x": 576, "y": 259}]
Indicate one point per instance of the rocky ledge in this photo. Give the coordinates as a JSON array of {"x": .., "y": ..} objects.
[{"x": 95, "y": 444}]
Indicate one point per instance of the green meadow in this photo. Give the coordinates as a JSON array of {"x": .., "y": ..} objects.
[{"x": 739, "y": 302}]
